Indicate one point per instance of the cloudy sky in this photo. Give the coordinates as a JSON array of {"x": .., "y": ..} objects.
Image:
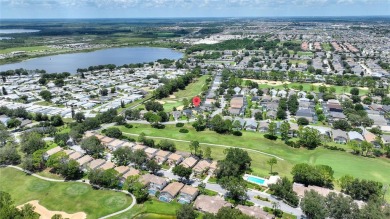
[{"x": 188, "y": 8}]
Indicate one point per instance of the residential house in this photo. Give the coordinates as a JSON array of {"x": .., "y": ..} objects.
[
  {"x": 263, "y": 126},
  {"x": 107, "y": 165},
  {"x": 371, "y": 138},
  {"x": 307, "y": 114},
  {"x": 340, "y": 136},
  {"x": 251, "y": 125},
  {"x": 154, "y": 183},
  {"x": 294, "y": 128},
  {"x": 236, "y": 105},
  {"x": 139, "y": 147},
  {"x": 210, "y": 204},
  {"x": 189, "y": 162},
  {"x": 170, "y": 191},
  {"x": 254, "y": 211},
  {"x": 386, "y": 139},
  {"x": 175, "y": 159},
  {"x": 151, "y": 152},
  {"x": 130, "y": 172},
  {"x": 187, "y": 194},
  {"x": 271, "y": 114},
  {"x": 95, "y": 164},
  {"x": 75, "y": 155},
  {"x": 122, "y": 169},
  {"x": 212, "y": 167},
  {"x": 106, "y": 140},
  {"x": 52, "y": 151},
  {"x": 161, "y": 156},
  {"x": 83, "y": 161},
  {"x": 300, "y": 189},
  {"x": 355, "y": 136},
  {"x": 115, "y": 144},
  {"x": 201, "y": 167}
]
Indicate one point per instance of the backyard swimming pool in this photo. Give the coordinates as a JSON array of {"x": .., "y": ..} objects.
[{"x": 257, "y": 180}]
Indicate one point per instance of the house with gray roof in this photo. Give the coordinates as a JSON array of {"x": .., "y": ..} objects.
[
  {"x": 355, "y": 136},
  {"x": 339, "y": 136}
]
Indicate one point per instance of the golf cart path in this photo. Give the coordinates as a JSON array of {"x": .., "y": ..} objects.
[{"x": 215, "y": 145}]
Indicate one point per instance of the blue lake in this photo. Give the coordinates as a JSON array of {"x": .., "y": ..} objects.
[{"x": 72, "y": 61}]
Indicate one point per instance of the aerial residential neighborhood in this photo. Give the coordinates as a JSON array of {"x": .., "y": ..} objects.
[{"x": 194, "y": 109}]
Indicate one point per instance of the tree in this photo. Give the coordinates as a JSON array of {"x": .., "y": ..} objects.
[
  {"x": 31, "y": 142},
  {"x": 272, "y": 129},
  {"x": 236, "y": 188},
  {"x": 342, "y": 124},
  {"x": 258, "y": 116},
  {"x": 186, "y": 103},
  {"x": 123, "y": 156},
  {"x": 92, "y": 146},
  {"x": 132, "y": 114},
  {"x": 302, "y": 121},
  {"x": 194, "y": 146},
  {"x": 284, "y": 130},
  {"x": 56, "y": 160},
  {"x": 139, "y": 157},
  {"x": 61, "y": 139},
  {"x": 281, "y": 114},
  {"x": 13, "y": 123},
  {"x": 46, "y": 95},
  {"x": 56, "y": 120},
  {"x": 340, "y": 206},
  {"x": 79, "y": 117},
  {"x": 310, "y": 138},
  {"x": 104, "y": 92},
  {"x": 312, "y": 205},
  {"x": 153, "y": 166},
  {"x": 283, "y": 189},
  {"x": 319, "y": 175},
  {"x": 70, "y": 170},
  {"x": 199, "y": 124},
  {"x": 9, "y": 155},
  {"x": 154, "y": 106},
  {"x": 182, "y": 171},
  {"x": 167, "y": 145},
  {"x": 354, "y": 91},
  {"x": 4, "y": 91},
  {"x": 227, "y": 213},
  {"x": 219, "y": 125},
  {"x": 360, "y": 189},
  {"x": 272, "y": 162},
  {"x": 113, "y": 132},
  {"x": 207, "y": 153},
  {"x": 236, "y": 162},
  {"x": 186, "y": 211},
  {"x": 104, "y": 178}
]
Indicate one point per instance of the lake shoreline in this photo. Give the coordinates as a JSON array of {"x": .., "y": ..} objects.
[{"x": 25, "y": 59}]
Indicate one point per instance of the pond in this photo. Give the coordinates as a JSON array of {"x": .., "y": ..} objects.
[{"x": 72, "y": 61}]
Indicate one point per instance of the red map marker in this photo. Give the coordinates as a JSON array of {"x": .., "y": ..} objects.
[{"x": 196, "y": 101}]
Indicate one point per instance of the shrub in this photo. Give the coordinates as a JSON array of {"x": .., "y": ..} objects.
[
  {"x": 179, "y": 124},
  {"x": 377, "y": 153},
  {"x": 183, "y": 131},
  {"x": 270, "y": 137},
  {"x": 129, "y": 126},
  {"x": 237, "y": 133},
  {"x": 334, "y": 148},
  {"x": 303, "y": 121},
  {"x": 291, "y": 143}
]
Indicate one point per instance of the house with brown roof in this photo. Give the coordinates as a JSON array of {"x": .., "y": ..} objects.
[
  {"x": 115, "y": 144},
  {"x": 138, "y": 147},
  {"x": 170, "y": 191},
  {"x": 175, "y": 159},
  {"x": 213, "y": 167},
  {"x": 150, "y": 152},
  {"x": 130, "y": 172},
  {"x": 300, "y": 189},
  {"x": 371, "y": 138},
  {"x": 69, "y": 152},
  {"x": 161, "y": 156},
  {"x": 106, "y": 140},
  {"x": 255, "y": 212},
  {"x": 201, "y": 167},
  {"x": 75, "y": 155},
  {"x": 83, "y": 161},
  {"x": 94, "y": 164},
  {"x": 52, "y": 151},
  {"x": 187, "y": 194},
  {"x": 236, "y": 105},
  {"x": 153, "y": 182},
  {"x": 107, "y": 165},
  {"x": 210, "y": 204},
  {"x": 189, "y": 162},
  {"x": 122, "y": 169}
]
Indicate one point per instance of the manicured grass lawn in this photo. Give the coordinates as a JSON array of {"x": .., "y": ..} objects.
[
  {"x": 168, "y": 106},
  {"x": 341, "y": 162},
  {"x": 301, "y": 53},
  {"x": 70, "y": 197},
  {"x": 191, "y": 90},
  {"x": 27, "y": 49},
  {"x": 307, "y": 86},
  {"x": 151, "y": 209},
  {"x": 326, "y": 46}
]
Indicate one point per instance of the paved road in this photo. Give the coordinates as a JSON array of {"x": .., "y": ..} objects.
[
  {"x": 215, "y": 145},
  {"x": 87, "y": 182}
]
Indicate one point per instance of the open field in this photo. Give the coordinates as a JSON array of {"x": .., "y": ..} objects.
[
  {"x": 191, "y": 90},
  {"x": 307, "y": 86},
  {"x": 70, "y": 197},
  {"x": 326, "y": 46},
  {"x": 26, "y": 49},
  {"x": 341, "y": 162}
]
